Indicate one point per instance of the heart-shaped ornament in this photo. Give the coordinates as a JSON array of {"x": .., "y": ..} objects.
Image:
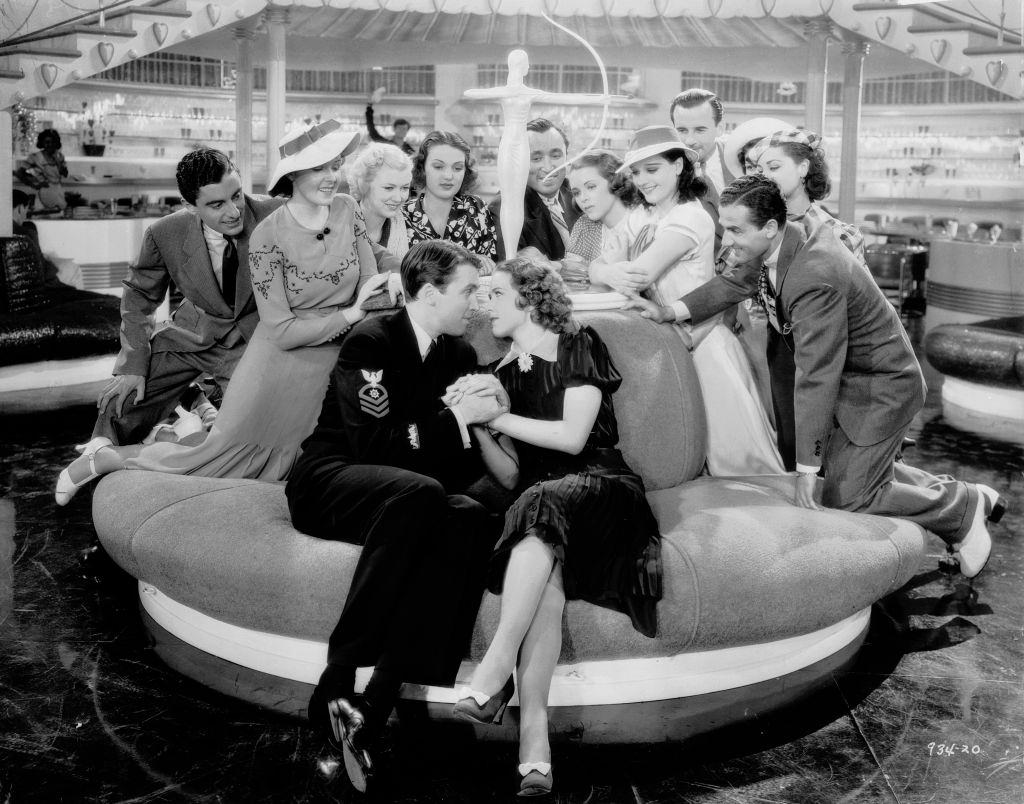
[
  {"x": 883, "y": 25},
  {"x": 49, "y": 74},
  {"x": 939, "y": 49},
  {"x": 213, "y": 12},
  {"x": 159, "y": 32},
  {"x": 714, "y": 6},
  {"x": 996, "y": 72},
  {"x": 106, "y": 51},
  {"x": 768, "y": 6}
]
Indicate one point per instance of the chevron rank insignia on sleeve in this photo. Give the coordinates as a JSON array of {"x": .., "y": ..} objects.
[{"x": 373, "y": 397}]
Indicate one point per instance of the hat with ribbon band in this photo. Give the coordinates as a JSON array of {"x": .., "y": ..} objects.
[
  {"x": 654, "y": 140},
  {"x": 798, "y": 136},
  {"x": 309, "y": 146}
]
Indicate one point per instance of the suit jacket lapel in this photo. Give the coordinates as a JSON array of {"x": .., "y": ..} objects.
[
  {"x": 792, "y": 240},
  {"x": 197, "y": 266}
]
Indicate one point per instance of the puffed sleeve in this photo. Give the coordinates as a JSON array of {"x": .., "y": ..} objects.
[
  {"x": 583, "y": 359},
  {"x": 267, "y": 260}
]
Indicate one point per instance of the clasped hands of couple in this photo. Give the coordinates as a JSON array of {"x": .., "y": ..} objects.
[{"x": 479, "y": 398}]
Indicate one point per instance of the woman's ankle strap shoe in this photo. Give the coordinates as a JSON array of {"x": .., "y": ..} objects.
[{"x": 68, "y": 488}]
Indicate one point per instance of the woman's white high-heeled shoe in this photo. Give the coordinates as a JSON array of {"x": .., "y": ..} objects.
[{"x": 68, "y": 488}]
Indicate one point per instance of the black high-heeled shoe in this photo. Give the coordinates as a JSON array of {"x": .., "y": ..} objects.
[{"x": 491, "y": 711}]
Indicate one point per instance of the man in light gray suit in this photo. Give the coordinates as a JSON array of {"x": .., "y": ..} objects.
[
  {"x": 857, "y": 384},
  {"x": 204, "y": 250}
]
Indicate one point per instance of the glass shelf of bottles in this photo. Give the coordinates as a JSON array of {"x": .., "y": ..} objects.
[{"x": 924, "y": 155}]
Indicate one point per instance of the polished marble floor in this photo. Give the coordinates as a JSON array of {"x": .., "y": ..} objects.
[{"x": 931, "y": 711}]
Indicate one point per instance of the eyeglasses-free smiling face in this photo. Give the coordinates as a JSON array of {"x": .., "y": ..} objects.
[
  {"x": 220, "y": 205},
  {"x": 444, "y": 171},
  {"x": 782, "y": 169},
  {"x": 547, "y": 151},
  {"x": 318, "y": 185},
  {"x": 388, "y": 191},
  {"x": 504, "y": 309},
  {"x": 697, "y": 128},
  {"x": 592, "y": 192},
  {"x": 658, "y": 179},
  {"x": 748, "y": 240}
]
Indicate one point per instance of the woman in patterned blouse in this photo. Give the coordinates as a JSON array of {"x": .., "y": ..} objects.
[
  {"x": 795, "y": 161},
  {"x": 444, "y": 209}
]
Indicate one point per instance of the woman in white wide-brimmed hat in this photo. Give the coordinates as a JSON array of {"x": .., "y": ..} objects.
[
  {"x": 312, "y": 269},
  {"x": 668, "y": 250}
]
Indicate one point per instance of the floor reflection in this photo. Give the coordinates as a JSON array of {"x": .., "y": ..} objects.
[{"x": 931, "y": 710}]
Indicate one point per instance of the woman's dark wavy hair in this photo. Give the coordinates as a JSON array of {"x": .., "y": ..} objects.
[
  {"x": 620, "y": 184},
  {"x": 690, "y": 186},
  {"x": 816, "y": 182},
  {"x": 419, "y": 162},
  {"x": 539, "y": 284}
]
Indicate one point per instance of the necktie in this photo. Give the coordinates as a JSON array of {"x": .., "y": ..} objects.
[
  {"x": 228, "y": 271},
  {"x": 766, "y": 295},
  {"x": 558, "y": 218}
]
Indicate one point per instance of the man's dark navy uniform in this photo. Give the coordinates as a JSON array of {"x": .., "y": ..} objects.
[{"x": 384, "y": 469}]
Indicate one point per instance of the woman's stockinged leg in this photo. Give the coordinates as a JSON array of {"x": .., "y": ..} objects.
[
  {"x": 526, "y": 577},
  {"x": 537, "y": 660}
]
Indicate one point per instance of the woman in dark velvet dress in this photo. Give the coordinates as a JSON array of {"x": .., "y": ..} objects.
[{"x": 581, "y": 527}]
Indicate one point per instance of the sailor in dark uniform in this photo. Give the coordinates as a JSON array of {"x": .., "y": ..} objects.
[{"x": 382, "y": 469}]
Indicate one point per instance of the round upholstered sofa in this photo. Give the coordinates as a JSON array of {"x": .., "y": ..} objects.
[
  {"x": 762, "y": 601},
  {"x": 983, "y": 387}
]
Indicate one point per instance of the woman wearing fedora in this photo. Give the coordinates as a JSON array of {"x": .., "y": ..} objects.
[
  {"x": 312, "y": 269},
  {"x": 667, "y": 251}
]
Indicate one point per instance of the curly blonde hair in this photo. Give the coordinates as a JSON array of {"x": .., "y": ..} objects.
[
  {"x": 539, "y": 285},
  {"x": 362, "y": 170}
]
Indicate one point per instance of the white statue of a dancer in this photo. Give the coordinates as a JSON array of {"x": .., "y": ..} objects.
[{"x": 514, "y": 147}]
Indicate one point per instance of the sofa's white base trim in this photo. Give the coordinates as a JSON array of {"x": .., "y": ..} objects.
[
  {"x": 53, "y": 384},
  {"x": 49, "y": 373},
  {"x": 984, "y": 409},
  {"x": 592, "y": 683}
]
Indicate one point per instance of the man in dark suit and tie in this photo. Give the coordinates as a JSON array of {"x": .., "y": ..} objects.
[
  {"x": 857, "y": 384},
  {"x": 548, "y": 209},
  {"x": 204, "y": 250},
  {"x": 384, "y": 469}
]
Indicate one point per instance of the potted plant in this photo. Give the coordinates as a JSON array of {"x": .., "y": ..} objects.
[{"x": 94, "y": 134}]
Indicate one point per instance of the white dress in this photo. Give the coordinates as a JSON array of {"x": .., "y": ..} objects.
[{"x": 741, "y": 439}]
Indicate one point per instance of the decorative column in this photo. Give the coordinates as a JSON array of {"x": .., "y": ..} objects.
[
  {"x": 853, "y": 88},
  {"x": 6, "y": 181},
  {"x": 277, "y": 19},
  {"x": 243, "y": 104},
  {"x": 818, "y": 31}
]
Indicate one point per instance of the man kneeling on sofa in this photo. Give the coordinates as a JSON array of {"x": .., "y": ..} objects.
[{"x": 381, "y": 470}]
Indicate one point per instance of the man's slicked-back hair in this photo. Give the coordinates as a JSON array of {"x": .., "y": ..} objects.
[
  {"x": 201, "y": 167},
  {"x": 690, "y": 98},
  {"x": 433, "y": 262},
  {"x": 760, "y": 195},
  {"x": 541, "y": 124}
]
